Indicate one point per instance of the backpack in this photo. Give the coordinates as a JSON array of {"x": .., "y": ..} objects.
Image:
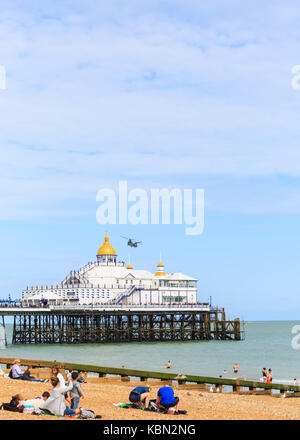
[
  {"x": 86, "y": 414},
  {"x": 10, "y": 407}
]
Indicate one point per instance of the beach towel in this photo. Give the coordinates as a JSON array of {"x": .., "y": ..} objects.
[{"x": 152, "y": 407}]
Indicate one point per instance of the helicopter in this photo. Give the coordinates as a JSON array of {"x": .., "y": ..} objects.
[{"x": 131, "y": 242}]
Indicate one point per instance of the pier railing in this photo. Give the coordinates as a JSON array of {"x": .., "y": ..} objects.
[{"x": 236, "y": 384}]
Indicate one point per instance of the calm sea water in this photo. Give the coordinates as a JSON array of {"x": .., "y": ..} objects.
[{"x": 267, "y": 344}]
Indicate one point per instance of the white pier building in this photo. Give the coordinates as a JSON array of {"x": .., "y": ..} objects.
[{"x": 108, "y": 281}]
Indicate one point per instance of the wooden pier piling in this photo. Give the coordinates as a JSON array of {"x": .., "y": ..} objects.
[{"x": 73, "y": 326}]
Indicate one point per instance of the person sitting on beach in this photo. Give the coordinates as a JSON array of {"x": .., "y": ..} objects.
[
  {"x": 27, "y": 376},
  {"x": 69, "y": 374},
  {"x": 81, "y": 377},
  {"x": 166, "y": 399},
  {"x": 76, "y": 391},
  {"x": 55, "y": 403},
  {"x": 16, "y": 372},
  {"x": 140, "y": 397},
  {"x": 56, "y": 373}
]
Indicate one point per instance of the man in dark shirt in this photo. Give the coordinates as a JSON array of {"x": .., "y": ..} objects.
[
  {"x": 27, "y": 376},
  {"x": 140, "y": 396}
]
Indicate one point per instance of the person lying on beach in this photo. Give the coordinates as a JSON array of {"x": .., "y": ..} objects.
[
  {"x": 166, "y": 399},
  {"x": 27, "y": 376},
  {"x": 34, "y": 403},
  {"x": 76, "y": 392},
  {"x": 55, "y": 403},
  {"x": 16, "y": 372},
  {"x": 140, "y": 397},
  {"x": 167, "y": 365},
  {"x": 15, "y": 400}
]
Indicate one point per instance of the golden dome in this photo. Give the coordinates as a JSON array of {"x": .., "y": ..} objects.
[
  {"x": 160, "y": 271},
  {"x": 129, "y": 266},
  {"x": 106, "y": 248}
]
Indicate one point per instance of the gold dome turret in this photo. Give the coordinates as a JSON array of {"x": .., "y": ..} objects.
[
  {"x": 106, "y": 248},
  {"x": 160, "y": 271}
]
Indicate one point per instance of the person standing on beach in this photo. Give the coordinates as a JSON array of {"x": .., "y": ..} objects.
[
  {"x": 264, "y": 374},
  {"x": 76, "y": 391},
  {"x": 236, "y": 368},
  {"x": 269, "y": 376}
]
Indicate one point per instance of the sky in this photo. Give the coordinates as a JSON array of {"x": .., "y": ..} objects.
[{"x": 161, "y": 94}]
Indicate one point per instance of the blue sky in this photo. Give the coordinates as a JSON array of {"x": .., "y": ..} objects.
[{"x": 180, "y": 94}]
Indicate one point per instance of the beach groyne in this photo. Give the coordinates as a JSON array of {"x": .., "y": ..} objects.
[{"x": 238, "y": 385}]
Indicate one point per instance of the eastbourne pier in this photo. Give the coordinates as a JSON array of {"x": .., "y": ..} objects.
[
  {"x": 108, "y": 301},
  {"x": 95, "y": 324}
]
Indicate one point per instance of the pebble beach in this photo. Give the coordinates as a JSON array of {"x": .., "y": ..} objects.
[{"x": 200, "y": 404}]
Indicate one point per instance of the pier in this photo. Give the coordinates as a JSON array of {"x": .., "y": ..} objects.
[{"x": 120, "y": 323}]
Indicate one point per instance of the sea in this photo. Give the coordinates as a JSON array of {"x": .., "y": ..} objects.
[{"x": 267, "y": 344}]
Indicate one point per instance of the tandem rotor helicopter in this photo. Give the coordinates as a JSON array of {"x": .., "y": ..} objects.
[{"x": 131, "y": 242}]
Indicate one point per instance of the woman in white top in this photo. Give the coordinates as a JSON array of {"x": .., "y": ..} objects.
[{"x": 60, "y": 377}]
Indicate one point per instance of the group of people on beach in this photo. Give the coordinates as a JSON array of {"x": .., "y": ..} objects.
[
  {"x": 17, "y": 373},
  {"x": 63, "y": 397},
  {"x": 165, "y": 400},
  {"x": 267, "y": 376}
]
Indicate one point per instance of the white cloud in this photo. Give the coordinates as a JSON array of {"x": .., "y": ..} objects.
[{"x": 98, "y": 91}]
